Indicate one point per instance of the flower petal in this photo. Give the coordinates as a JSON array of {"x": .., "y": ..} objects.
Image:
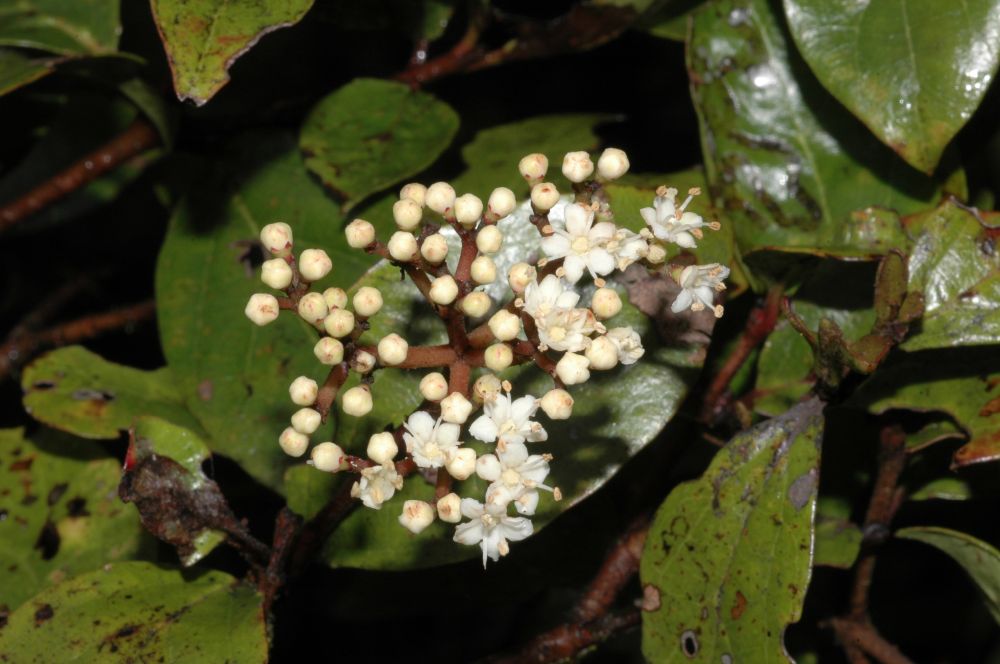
[
  {"x": 600, "y": 261},
  {"x": 484, "y": 429},
  {"x": 574, "y": 268},
  {"x": 555, "y": 246},
  {"x": 683, "y": 301}
]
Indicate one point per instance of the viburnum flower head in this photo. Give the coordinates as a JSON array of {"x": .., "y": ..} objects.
[
  {"x": 581, "y": 244},
  {"x": 491, "y": 528},
  {"x": 507, "y": 421},
  {"x": 377, "y": 485},
  {"x": 430, "y": 441},
  {"x": 673, "y": 223},
  {"x": 515, "y": 477},
  {"x": 699, "y": 283}
]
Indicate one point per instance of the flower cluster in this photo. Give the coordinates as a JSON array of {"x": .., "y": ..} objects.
[{"x": 541, "y": 321}]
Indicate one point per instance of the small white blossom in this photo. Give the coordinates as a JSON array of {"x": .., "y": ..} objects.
[
  {"x": 515, "y": 477},
  {"x": 628, "y": 343},
  {"x": 566, "y": 329},
  {"x": 491, "y": 528},
  {"x": 540, "y": 299},
  {"x": 581, "y": 244},
  {"x": 377, "y": 485},
  {"x": 431, "y": 442},
  {"x": 673, "y": 223},
  {"x": 508, "y": 421},
  {"x": 627, "y": 247},
  {"x": 699, "y": 283}
]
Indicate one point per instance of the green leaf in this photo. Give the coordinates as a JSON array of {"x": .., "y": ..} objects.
[
  {"x": 139, "y": 612},
  {"x": 913, "y": 72},
  {"x": 371, "y": 134},
  {"x": 18, "y": 70},
  {"x": 203, "y": 38},
  {"x": 59, "y": 512},
  {"x": 786, "y": 164},
  {"x": 944, "y": 488},
  {"x": 980, "y": 560},
  {"x": 153, "y": 106},
  {"x": 77, "y": 27},
  {"x": 838, "y": 542},
  {"x": 669, "y": 20},
  {"x": 80, "y": 392},
  {"x": 727, "y": 559},
  {"x": 932, "y": 432}
]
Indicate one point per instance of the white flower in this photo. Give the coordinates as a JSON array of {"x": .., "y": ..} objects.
[
  {"x": 377, "y": 485},
  {"x": 581, "y": 244},
  {"x": 491, "y": 528},
  {"x": 515, "y": 476},
  {"x": 628, "y": 343},
  {"x": 550, "y": 295},
  {"x": 430, "y": 441},
  {"x": 671, "y": 222},
  {"x": 698, "y": 286},
  {"x": 508, "y": 422},
  {"x": 566, "y": 329},
  {"x": 627, "y": 247}
]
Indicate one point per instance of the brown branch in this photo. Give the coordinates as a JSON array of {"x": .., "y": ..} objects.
[
  {"x": 863, "y": 636},
  {"x": 567, "y": 640},
  {"x": 138, "y": 137},
  {"x": 619, "y": 566}
]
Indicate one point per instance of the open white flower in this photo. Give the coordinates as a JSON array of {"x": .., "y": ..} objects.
[
  {"x": 431, "y": 442},
  {"x": 377, "y": 485},
  {"x": 580, "y": 243},
  {"x": 491, "y": 528},
  {"x": 628, "y": 343},
  {"x": 506, "y": 421},
  {"x": 673, "y": 223},
  {"x": 566, "y": 330},
  {"x": 699, "y": 283},
  {"x": 515, "y": 476},
  {"x": 627, "y": 247},
  {"x": 540, "y": 299}
]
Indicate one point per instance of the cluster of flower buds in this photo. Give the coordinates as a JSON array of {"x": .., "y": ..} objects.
[{"x": 540, "y": 321}]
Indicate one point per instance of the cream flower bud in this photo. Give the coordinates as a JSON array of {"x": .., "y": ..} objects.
[
  {"x": 444, "y": 290},
  {"x": 262, "y": 308},
  {"x": 449, "y": 508},
  {"x": 489, "y": 239},
  {"x": 303, "y": 391},
  {"x": 573, "y": 369},
  {"x": 533, "y": 167},
  {"x": 455, "y": 408},
  {"x": 440, "y": 197},
  {"x": 360, "y": 233},
  {"x": 328, "y": 457},
  {"x": 402, "y": 246},
  {"x": 502, "y": 202},
  {"x": 434, "y": 248},
  {"x": 498, "y": 357},
  {"x": 577, "y": 166},
  {"x": 362, "y": 361},
  {"x": 488, "y": 467},
  {"x": 312, "y": 307},
  {"x": 293, "y": 443},
  {"x": 462, "y": 463},
  {"x": 612, "y": 164},
  {"x": 314, "y": 264},
  {"x": 392, "y": 349},
  {"x": 656, "y": 254},
  {"x": 382, "y": 448},
  {"x": 407, "y": 214},
  {"x": 504, "y": 325},
  {"x": 357, "y": 401},
  {"x": 520, "y": 275},
  {"x": 277, "y": 238},
  {"x": 306, "y": 420},
  {"x": 602, "y": 353},
  {"x": 414, "y": 191},
  {"x": 476, "y": 304},
  {"x": 544, "y": 196},
  {"x": 557, "y": 404},
  {"x": 367, "y": 301},
  {"x": 276, "y": 273},
  {"x": 483, "y": 270},
  {"x": 416, "y": 515},
  {"x": 329, "y": 351},
  {"x": 434, "y": 386},
  {"x": 468, "y": 209},
  {"x": 339, "y": 323},
  {"x": 335, "y": 298},
  {"x": 606, "y": 303},
  {"x": 486, "y": 387}
]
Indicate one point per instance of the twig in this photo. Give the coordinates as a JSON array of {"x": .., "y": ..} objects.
[
  {"x": 619, "y": 566},
  {"x": 864, "y": 637},
  {"x": 567, "y": 640},
  {"x": 286, "y": 527}
]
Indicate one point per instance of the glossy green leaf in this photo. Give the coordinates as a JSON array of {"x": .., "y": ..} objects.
[
  {"x": 80, "y": 392},
  {"x": 945, "y": 488},
  {"x": 77, "y": 27},
  {"x": 18, "y": 70},
  {"x": 913, "y": 72},
  {"x": 203, "y": 38},
  {"x": 139, "y": 612},
  {"x": 933, "y": 432},
  {"x": 979, "y": 559},
  {"x": 669, "y": 20},
  {"x": 371, "y": 134},
  {"x": 728, "y": 556},
  {"x": 59, "y": 512},
  {"x": 785, "y": 163}
]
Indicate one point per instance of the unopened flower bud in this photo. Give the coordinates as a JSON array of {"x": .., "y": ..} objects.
[
  {"x": 476, "y": 304},
  {"x": 544, "y": 196},
  {"x": 498, "y": 357},
  {"x": 520, "y": 275},
  {"x": 573, "y": 369},
  {"x": 277, "y": 238},
  {"x": 329, "y": 351},
  {"x": 602, "y": 353},
  {"x": 462, "y": 463},
  {"x": 449, "y": 508},
  {"x": 440, "y": 197},
  {"x": 357, "y": 401},
  {"x": 455, "y": 408},
  {"x": 434, "y": 248},
  {"x": 468, "y": 210},
  {"x": 577, "y": 166},
  {"x": 504, "y": 325},
  {"x": 392, "y": 349},
  {"x": 414, "y": 191},
  {"x": 303, "y": 391},
  {"x": 557, "y": 404},
  {"x": 489, "y": 239},
  {"x": 606, "y": 303},
  {"x": 502, "y": 202},
  {"x": 262, "y": 308},
  {"x": 402, "y": 246},
  {"x": 328, "y": 457},
  {"x": 367, "y": 301},
  {"x": 312, "y": 308},
  {"x": 533, "y": 167},
  {"x": 314, "y": 264},
  {"x": 483, "y": 270},
  {"x": 293, "y": 443},
  {"x": 360, "y": 233},
  {"x": 407, "y": 214},
  {"x": 485, "y": 388},
  {"x": 434, "y": 386},
  {"x": 656, "y": 254},
  {"x": 339, "y": 323},
  {"x": 416, "y": 515},
  {"x": 306, "y": 420},
  {"x": 362, "y": 362},
  {"x": 335, "y": 298},
  {"x": 612, "y": 164},
  {"x": 444, "y": 290},
  {"x": 276, "y": 273},
  {"x": 382, "y": 448}
]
